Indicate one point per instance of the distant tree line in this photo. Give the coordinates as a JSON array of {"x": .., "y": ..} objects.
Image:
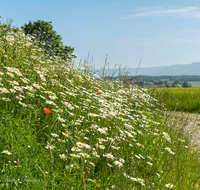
[
  {"x": 175, "y": 83},
  {"x": 147, "y": 78},
  {"x": 167, "y": 81}
]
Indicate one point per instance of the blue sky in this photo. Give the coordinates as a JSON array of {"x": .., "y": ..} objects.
[{"x": 160, "y": 32}]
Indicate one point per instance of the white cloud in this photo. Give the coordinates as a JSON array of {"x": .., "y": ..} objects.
[{"x": 187, "y": 12}]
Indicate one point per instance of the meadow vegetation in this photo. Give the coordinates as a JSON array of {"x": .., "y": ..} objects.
[
  {"x": 195, "y": 84},
  {"x": 63, "y": 127},
  {"x": 179, "y": 99}
]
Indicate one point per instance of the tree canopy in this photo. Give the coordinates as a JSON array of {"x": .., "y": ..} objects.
[
  {"x": 181, "y": 78},
  {"x": 177, "y": 81},
  {"x": 186, "y": 84},
  {"x": 48, "y": 39}
]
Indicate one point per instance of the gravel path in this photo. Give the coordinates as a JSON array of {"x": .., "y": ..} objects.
[{"x": 191, "y": 126}]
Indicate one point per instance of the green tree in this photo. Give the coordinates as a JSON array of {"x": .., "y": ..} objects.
[
  {"x": 174, "y": 85},
  {"x": 154, "y": 81},
  {"x": 186, "y": 84},
  {"x": 48, "y": 39},
  {"x": 140, "y": 83},
  {"x": 177, "y": 81}
]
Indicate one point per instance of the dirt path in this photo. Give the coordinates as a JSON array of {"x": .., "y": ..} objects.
[{"x": 191, "y": 125}]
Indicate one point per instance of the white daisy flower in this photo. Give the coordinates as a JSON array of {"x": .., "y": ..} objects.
[
  {"x": 4, "y": 90},
  {"x": 12, "y": 90},
  {"x": 36, "y": 85},
  {"x": 75, "y": 149},
  {"x": 101, "y": 130},
  {"x": 25, "y": 80},
  {"x": 17, "y": 88},
  {"x": 109, "y": 165},
  {"x": 75, "y": 155},
  {"x": 52, "y": 97},
  {"x": 15, "y": 82},
  {"x": 18, "y": 73},
  {"x": 108, "y": 155},
  {"x": 65, "y": 134},
  {"x": 80, "y": 144},
  {"x": 62, "y": 156},
  {"x": 49, "y": 147},
  {"x": 126, "y": 175},
  {"x": 23, "y": 104},
  {"x": 119, "y": 164},
  {"x": 93, "y": 115},
  {"x": 6, "y": 99},
  {"x": 91, "y": 163},
  {"x": 149, "y": 163},
  {"x": 101, "y": 147},
  {"x": 169, "y": 185},
  {"x": 7, "y": 152},
  {"x": 19, "y": 97},
  {"x": 60, "y": 119},
  {"x": 133, "y": 178},
  {"x": 61, "y": 140},
  {"x": 42, "y": 77},
  {"x": 54, "y": 135},
  {"x": 95, "y": 154},
  {"x": 84, "y": 154},
  {"x": 50, "y": 102},
  {"x": 10, "y": 74}
]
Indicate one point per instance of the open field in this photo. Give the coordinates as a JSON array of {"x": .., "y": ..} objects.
[
  {"x": 195, "y": 84},
  {"x": 63, "y": 129},
  {"x": 180, "y": 99}
]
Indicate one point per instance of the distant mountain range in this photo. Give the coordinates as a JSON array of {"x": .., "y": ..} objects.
[{"x": 173, "y": 70}]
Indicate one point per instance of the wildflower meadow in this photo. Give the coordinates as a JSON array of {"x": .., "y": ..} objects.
[{"x": 64, "y": 127}]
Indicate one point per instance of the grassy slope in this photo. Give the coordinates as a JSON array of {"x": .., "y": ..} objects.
[{"x": 118, "y": 138}]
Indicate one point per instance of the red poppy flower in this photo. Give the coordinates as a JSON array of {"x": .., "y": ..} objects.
[
  {"x": 98, "y": 91},
  {"x": 47, "y": 110}
]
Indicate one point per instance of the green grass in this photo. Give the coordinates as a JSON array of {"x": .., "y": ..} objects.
[
  {"x": 195, "y": 84},
  {"x": 180, "y": 99},
  {"x": 118, "y": 138}
]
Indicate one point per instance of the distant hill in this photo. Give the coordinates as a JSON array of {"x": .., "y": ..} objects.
[{"x": 172, "y": 70}]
